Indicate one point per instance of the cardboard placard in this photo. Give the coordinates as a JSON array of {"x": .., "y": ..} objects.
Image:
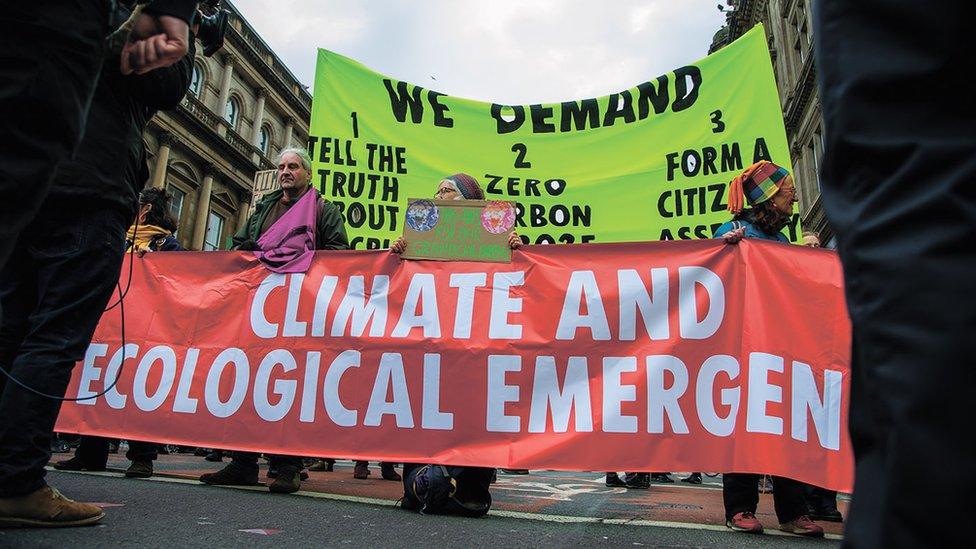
[{"x": 468, "y": 230}]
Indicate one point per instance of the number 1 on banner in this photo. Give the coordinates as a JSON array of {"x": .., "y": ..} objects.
[{"x": 355, "y": 125}]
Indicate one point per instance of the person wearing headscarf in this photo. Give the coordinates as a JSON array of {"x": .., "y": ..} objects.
[
  {"x": 769, "y": 192},
  {"x": 459, "y": 186}
]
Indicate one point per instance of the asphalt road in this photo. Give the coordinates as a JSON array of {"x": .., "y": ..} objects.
[{"x": 177, "y": 513}]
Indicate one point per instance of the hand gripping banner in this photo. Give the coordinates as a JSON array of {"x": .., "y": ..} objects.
[
  {"x": 651, "y": 162},
  {"x": 681, "y": 356}
]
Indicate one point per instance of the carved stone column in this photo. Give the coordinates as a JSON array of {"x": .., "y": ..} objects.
[
  {"x": 166, "y": 142},
  {"x": 203, "y": 208}
]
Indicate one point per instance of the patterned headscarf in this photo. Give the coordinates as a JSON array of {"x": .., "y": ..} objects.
[
  {"x": 757, "y": 184},
  {"x": 466, "y": 186}
]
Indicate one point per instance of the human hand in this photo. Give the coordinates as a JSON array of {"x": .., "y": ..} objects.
[
  {"x": 514, "y": 241},
  {"x": 733, "y": 237},
  {"x": 154, "y": 42},
  {"x": 399, "y": 245}
]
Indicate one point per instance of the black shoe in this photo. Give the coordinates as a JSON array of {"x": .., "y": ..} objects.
[
  {"x": 216, "y": 456},
  {"x": 288, "y": 480},
  {"x": 639, "y": 481},
  {"x": 232, "y": 475},
  {"x": 664, "y": 478},
  {"x": 827, "y": 515},
  {"x": 515, "y": 471},
  {"x": 78, "y": 464},
  {"x": 614, "y": 481},
  {"x": 388, "y": 472},
  {"x": 140, "y": 469},
  {"x": 201, "y": 452},
  {"x": 694, "y": 478}
]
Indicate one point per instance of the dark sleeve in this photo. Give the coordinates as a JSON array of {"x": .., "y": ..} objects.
[
  {"x": 163, "y": 88},
  {"x": 331, "y": 229},
  {"x": 241, "y": 236},
  {"x": 170, "y": 244},
  {"x": 183, "y": 9}
]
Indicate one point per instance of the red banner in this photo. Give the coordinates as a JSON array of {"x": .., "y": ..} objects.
[{"x": 664, "y": 356}]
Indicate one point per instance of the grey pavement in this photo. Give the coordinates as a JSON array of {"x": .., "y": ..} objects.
[{"x": 153, "y": 513}]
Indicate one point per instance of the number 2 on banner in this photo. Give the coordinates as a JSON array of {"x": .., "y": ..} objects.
[{"x": 521, "y": 149}]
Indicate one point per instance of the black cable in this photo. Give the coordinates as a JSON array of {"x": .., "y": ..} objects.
[{"x": 121, "y": 307}]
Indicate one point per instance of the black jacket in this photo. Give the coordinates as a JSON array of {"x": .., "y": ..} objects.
[{"x": 109, "y": 167}]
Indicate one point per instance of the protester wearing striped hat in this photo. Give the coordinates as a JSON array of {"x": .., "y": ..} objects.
[{"x": 769, "y": 191}]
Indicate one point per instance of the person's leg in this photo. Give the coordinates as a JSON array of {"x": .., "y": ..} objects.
[
  {"x": 791, "y": 508},
  {"x": 52, "y": 52},
  {"x": 740, "y": 493},
  {"x": 142, "y": 451},
  {"x": 74, "y": 255},
  {"x": 90, "y": 455},
  {"x": 898, "y": 188},
  {"x": 241, "y": 471},
  {"x": 289, "y": 477}
]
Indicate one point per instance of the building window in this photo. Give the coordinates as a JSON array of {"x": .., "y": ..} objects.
[
  {"x": 233, "y": 112},
  {"x": 265, "y": 141},
  {"x": 196, "y": 81},
  {"x": 215, "y": 227},
  {"x": 176, "y": 204}
]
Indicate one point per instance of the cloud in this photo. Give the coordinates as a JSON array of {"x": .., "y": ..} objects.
[{"x": 506, "y": 51}]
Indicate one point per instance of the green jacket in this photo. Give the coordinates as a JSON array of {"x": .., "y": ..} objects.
[{"x": 330, "y": 229}]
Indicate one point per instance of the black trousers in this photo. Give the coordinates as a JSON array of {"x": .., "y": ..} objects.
[
  {"x": 250, "y": 460},
  {"x": 53, "y": 292},
  {"x": 740, "y": 491},
  {"x": 94, "y": 450},
  {"x": 899, "y": 188},
  {"x": 51, "y": 52}
]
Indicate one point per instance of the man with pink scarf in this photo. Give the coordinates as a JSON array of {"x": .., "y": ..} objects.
[{"x": 284, "y": 231}]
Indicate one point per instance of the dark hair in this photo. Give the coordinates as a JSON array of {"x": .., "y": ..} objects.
[
  {"x": 159, "y": 214},
  {"x": 765, "y": 217}
]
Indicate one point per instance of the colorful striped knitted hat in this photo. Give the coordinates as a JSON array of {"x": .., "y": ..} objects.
[
  {"x": 757, "y": 184},
  {"x": 466, "y": 186}
]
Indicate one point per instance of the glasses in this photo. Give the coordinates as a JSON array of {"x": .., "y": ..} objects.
[{"x": 444, "y": 191}]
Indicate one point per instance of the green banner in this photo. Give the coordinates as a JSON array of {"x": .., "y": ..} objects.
[{"x": 648, "y": 163}]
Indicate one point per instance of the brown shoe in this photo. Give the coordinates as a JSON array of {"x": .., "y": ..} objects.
[
  {"x": 140, "y": 469},
  {"x": 45, "y": 508},
  {"x": 288, "y": 481},
  {"x": 322, "y": 465},
  {"x": 361, "y": 471}
]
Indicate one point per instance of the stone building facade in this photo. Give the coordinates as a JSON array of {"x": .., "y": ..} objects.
[
  {"x": 243, "y": 107},
  {"x": 789, "y": 33}
]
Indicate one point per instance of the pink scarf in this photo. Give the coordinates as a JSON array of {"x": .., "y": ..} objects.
[{"x": 289, "y": 243}]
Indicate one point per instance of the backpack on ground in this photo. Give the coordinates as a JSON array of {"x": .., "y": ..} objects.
[{"x": 444, "y": 490}]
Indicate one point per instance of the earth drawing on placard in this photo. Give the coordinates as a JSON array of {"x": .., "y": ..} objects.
[
  {"x": 498, "y": 217},
  {"x": 422, "y": 216}
]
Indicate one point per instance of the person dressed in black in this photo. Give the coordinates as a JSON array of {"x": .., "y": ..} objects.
[
  {"x": 294, "y": 180},
  {"x": 64, "y": 268},
  {"x": 899, "y": 190},
  {"x": 152, "y": 232},
  {"x": 52, "y": 53}
]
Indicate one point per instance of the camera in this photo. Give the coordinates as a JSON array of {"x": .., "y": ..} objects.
[{"x": 212, "y": 21}]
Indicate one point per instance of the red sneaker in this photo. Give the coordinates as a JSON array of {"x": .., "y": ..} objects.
[
  {"x": 745, "y": 522},
  {"x": 803, "y": 526}
]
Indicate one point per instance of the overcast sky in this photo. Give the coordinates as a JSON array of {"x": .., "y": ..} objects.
[{"x": 513, "y": 52}]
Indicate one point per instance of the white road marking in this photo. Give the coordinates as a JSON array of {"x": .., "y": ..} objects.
[{"x": 562, "y": 519}]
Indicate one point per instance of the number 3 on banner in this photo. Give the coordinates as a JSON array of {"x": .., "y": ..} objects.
[
  {"x": 520, "y": 149},
  {"x": 717, "y": 120}
]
